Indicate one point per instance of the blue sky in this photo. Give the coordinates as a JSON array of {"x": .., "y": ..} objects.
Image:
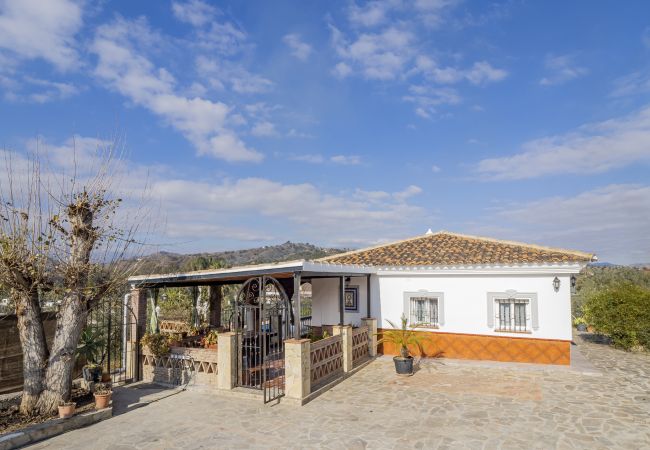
[{"x": 349, "y": 123}]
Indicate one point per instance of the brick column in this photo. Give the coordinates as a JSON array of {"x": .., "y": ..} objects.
[
  {"x": 346, "y": 333},
  {"x": 227, "y": 360},
  {"x": 138, "y": 305},
  {"x": 297, "y": 368},
  {"x": 372, "y": 335}
]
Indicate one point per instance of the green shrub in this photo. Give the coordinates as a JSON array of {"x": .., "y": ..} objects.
[{"x": 622, "y": 312}]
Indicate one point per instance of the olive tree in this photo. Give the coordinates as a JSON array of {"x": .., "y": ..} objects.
[{"x": 60, "y": 233}]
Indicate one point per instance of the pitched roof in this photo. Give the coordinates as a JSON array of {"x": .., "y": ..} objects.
[{"x": 444, "y": 248}]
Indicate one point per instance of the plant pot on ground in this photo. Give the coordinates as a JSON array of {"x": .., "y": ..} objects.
[
  {"x": 92, "y": 372},
  {"x": 402, "y": 337},
  {"x": 66, "y": 409},
  {"x": 103, "y": 394}
]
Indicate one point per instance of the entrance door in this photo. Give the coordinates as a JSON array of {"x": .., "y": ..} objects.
[{"x": 262, "y": 320}]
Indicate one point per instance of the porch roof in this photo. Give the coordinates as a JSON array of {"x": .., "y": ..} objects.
[{"x": 307, "y": 269}]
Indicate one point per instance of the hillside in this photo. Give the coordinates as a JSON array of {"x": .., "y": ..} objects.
[{"x": 166, "y": 262}]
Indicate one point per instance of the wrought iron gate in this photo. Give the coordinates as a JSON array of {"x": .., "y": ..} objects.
[
  {"x": 262, "y": 319},
  {"x": 112, "y": 321}
]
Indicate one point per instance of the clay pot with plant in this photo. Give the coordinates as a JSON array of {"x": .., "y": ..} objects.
[
  {"x": 103, "y": 393},
  {"x": 210, "y": 340},
  {"x": 157, "y": 343},
  {"x": 402, "y": 337},
  {"x": 66, "y": 409}
]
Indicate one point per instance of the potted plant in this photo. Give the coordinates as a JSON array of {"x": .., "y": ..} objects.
[
  {"x": 106, "y": 377},
  {"x": 580, "y": 323},
  {"x": 157, "y": 343},
  {"x": 210, "y": 340},
  {"x": 175, "y": 339},
  {"x": 103, "y": 393},
  {"x": 66, "y": 409},
  {"x": 90, "y": 347},
  {"x": 402, "y": 337}
]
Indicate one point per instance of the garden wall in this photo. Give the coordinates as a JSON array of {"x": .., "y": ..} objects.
[{"x": 11, "y": 357}]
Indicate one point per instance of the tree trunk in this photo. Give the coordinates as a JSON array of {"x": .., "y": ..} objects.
[
  {"x": 215, "y": 297},
  {"x": 34, "y": 348},
  {"x": 70, "y": 322}
]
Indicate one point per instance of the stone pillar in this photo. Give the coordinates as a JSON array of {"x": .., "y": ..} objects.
[
  {"x": 297, "y": 368},
  {"x": 372, "y": 335},
  {"x": 226, "y": 360},
  {"x": 346, "y": 333}
]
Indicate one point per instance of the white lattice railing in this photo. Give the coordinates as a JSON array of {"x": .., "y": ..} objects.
[
  {"x": 326, "y": 360},
  {"x": 360, "y": 338}
]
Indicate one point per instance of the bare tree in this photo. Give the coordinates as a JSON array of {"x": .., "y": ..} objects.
[{"x": 62, "y": 233}]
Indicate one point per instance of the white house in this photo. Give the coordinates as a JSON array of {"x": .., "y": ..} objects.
[{"x": 471, "y": 297}]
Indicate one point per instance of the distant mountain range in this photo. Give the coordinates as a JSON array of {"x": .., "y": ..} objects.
[
  {"x": 607, "y": 264},
  {"x": 166, "y": 262}
]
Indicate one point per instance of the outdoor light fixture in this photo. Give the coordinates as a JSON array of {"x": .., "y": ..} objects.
[
  {"x": 573, "y": 283},
  {"x": 556, "y": 284}
]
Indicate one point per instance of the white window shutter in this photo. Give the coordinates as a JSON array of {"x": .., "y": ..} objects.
[
  {"x": 533, "y": 313},
  {"x": 490, "y": 312},
  {"x": 441, "y": 311}
]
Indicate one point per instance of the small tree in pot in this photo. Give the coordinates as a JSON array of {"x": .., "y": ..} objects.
[{"x": 402, "y": 337}]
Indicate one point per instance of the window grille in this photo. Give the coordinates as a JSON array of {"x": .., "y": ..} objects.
[
  {"x": 424, "y": 311},
  {"x": 512, "y": 314}
]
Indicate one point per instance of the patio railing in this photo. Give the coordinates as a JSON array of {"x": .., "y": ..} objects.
[
  {"x": 360, "y": 338},
  {"x": 326, "y": 360},
  {"x": 181, "y": 366}
]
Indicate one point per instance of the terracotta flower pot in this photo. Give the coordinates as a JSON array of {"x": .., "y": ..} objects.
[
  {"x": 67, "y": 410},
  {"x": 211, "y": 346},
  {"x": 102, "y": 400}
]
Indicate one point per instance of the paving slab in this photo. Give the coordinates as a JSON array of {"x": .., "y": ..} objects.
[{"x": 446, "y": 405}]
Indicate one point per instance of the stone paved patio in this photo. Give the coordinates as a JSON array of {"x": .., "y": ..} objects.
[{"x": 446, "y": 404}]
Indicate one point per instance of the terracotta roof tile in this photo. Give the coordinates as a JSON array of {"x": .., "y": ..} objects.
[{"x": 445, "y": 248}]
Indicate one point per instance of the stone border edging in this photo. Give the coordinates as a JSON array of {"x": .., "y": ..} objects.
[{"x": 51, "y": 428}]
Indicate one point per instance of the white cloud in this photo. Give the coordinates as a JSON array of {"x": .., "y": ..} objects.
[
  {"x": 592, "y": 148},
  {"x": 561, "y": 69},
  {"x": 372, "y": 13},
  {"x": 309, "y": 158},
  {"x": 428, "y": 98},
  {"x": 436, "y": 169},
  {"x": 380, "y": 56},
  {"x": 635, "y": 83},
  {"x": 220, "y": 73},
  {"x": 264, "y": 129},
  {"x": 126, "y": 70},
  {"x": 479, "y": 73},
  {"x": 611, "y": 221},
  {"x": 36, "y": 90},
  {"x": 194, "y": 12},
  {"x": 341, "y": 70},
  {"x": 41, "y": 29},
  {"x": 299, "y": 49},
  {"x": 346, "y": 160}
]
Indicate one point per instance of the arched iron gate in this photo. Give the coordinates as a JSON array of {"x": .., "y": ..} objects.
[
  {"x": 112, "y": 321},
  {"x": 262, "y": 320}
]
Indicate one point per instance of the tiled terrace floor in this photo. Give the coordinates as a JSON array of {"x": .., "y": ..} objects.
[{"x": 444, "y": 405}]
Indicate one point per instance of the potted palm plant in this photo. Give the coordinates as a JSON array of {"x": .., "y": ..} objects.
[
  {"x": 90, "y": 348},
  {"x": 402, "y": 337}
]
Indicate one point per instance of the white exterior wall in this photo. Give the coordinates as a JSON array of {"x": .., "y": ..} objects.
[
  {"x": 465, "y": 301},
  {"x": 325, "y": 301}
]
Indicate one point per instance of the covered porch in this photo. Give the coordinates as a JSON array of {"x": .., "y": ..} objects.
[{"x": 276, "y": 308}]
